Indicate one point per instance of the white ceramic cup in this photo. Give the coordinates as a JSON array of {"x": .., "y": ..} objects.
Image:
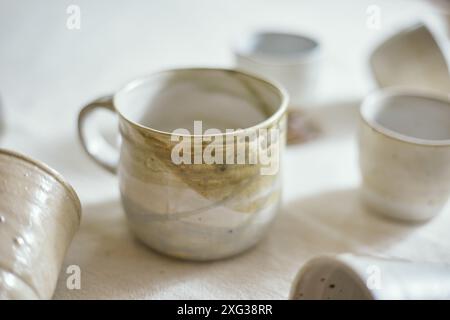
[
  {"x": 289, "y": 59},
  {"x": 357, "y": 277},
  {"x": 404, "y": 153}
]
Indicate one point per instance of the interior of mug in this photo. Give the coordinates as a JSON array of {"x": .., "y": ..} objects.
[
  {"x": 277, "y": 46},
  {"x": 219, "y": 98},
  {"x": 328, "y": 279},
  {"x": 409, "y": 117}
]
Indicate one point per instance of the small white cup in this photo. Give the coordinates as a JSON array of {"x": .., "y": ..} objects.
[
  {"x": 289, "y": 59},
  {"x": 404, "y": 153},
  {"x": 357, "y": 277}
]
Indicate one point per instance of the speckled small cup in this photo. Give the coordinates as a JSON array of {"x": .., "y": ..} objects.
[
  {"x": 404, "y": 153},
  {"x": 358, "y": 277},
  {"x": 191, "y": 211},
  {"x": 39, "y": 215}
]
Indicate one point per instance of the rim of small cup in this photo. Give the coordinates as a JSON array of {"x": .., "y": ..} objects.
[
  {"x": 302, "y": 57},
  {"x": 331, "y": 261},
  {"x": 384, "y": 94},
  {"x": 42, "y": 166}
]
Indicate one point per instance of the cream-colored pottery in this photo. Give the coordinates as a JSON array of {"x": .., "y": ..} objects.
[
  {"x": 191, "y": 211},
  {"x": 358, "y": 277},
  {"x": 404, "y": 153},
  {"x": 411, "y": 59},
  {"x": 39, "y": 215},
  {"x": 293, "y": 60}
]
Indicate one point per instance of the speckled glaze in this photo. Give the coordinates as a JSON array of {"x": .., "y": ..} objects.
[
  {"x": 358, "y": 277},
  {"x": 39, "y": 215},
  {"x": 404, "y": 177},
  {"x": 195, "y": 211}
]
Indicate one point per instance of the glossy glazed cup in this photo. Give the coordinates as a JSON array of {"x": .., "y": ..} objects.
[
  {"x": 404, "y": 153},
  {"x": 191, "y": 211},
  {"x": 39, "y": 215},
  {"x": 358, "y": 277}
]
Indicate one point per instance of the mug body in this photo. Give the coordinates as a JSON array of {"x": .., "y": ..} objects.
[
  {"x": 404, "y": 154},
  {"x": 199, "y": 209}
]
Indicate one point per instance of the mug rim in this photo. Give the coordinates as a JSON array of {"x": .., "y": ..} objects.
[
  {"x": 383, "y": 94},
  {"x": 281, "y": 92},
  {"x": 52, "y": 172}
]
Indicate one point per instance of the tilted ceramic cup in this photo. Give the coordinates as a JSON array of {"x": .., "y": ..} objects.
[
  {"x": 404, "y": 153},
  {"x": 439, "y": 23},
  {"x": 199, "y": 210},
  {"x": 358, "y": 277},
  {"x": 409, "y": 58},
  {"x": 39, "y": 215},
  {"x": 291, "y": 59}
]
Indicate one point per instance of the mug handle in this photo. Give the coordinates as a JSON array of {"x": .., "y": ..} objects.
[{"x": 93, "y": 143}]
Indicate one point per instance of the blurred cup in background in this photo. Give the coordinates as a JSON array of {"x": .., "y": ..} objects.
[
  {"x": 404, "y": 153},
  {"x": 289, "y": 59},
  {"x": 438, "y": 21}
]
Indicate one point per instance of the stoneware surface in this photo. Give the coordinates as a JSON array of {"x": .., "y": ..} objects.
[
  {"x": 39, "y": 215},
  {"x": 404, "y": 144},
  {"x": 195, "y": 211},
  {"x": 410, "y": 58},
  {"x": 439, "y": 23},
  {"x": 349, "y": 276},
  {"x": 293, "y": 60}
]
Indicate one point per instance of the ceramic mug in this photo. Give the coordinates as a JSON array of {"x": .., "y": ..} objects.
[
  {"x": 404, "y": 153},
  {"x": 359, "y": 277},
  {"x": 39, "y": 215},
  {"x": 193, "y": 210},
  {"x": 292, "y": 60}
]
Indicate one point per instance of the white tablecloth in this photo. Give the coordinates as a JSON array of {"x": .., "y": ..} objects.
[{"x": 48, "y": 72}]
